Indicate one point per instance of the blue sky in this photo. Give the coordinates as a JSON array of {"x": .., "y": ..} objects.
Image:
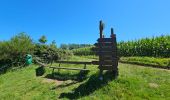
[{"x": 76, "y": 21}]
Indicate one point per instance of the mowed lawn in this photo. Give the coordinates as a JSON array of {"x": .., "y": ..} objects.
[{"x": 134, "y": 83}]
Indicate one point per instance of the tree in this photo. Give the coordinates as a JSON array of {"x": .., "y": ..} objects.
[
  {"x": 64, "y": 46},
  {"x": 43, "y": 39},
  {"x": 16, "y": 49},
  {"x": 53, "y": 44}
]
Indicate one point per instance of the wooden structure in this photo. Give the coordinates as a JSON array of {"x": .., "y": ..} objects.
[
  {"x": 60, "y": 67},
  {"x": 106, "y": 49},
  {"x": 70, "y": 62}
]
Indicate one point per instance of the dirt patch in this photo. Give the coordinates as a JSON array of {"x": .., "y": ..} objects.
[
  {"x": 153, "y": 85},
  {"x": 57, "y": 82},
  {"x": 52, "y": 81}
]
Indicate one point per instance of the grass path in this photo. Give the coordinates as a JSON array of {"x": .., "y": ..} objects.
[{"x": 134, "y": 82}]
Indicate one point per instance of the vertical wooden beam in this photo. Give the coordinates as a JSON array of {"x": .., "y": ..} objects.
[
  {"x": 112, "y": 33},
  {"x": 101, "y": 27}
]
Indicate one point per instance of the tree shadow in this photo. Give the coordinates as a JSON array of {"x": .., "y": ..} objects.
[
  {"x": 82, "y": 75},
  {"x": 4, "y": 68},
  {"x": 89, "y": 87}
]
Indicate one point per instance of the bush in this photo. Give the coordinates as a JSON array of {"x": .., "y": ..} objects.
[
  {"x": 150, "y": 61},
  {"x": 83, "y": 51},
  {"x": 48, "y": 53},
  {"x": 14, "y": 51},
  {"x": 64, "y": 54}
]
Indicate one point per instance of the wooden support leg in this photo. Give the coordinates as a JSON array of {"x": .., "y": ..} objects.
[
  {"x": 115, "y": 72},
  {"x": 101, "y": 75},
  {"x": 53, "y": 72},
  {"x": 59, "y": 66},
  {"x": 84, "y": 66}
]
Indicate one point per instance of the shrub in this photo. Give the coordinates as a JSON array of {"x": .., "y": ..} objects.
[
  {"x": 14, "y": 51},
  {"x": 47, "y": 53},
  {"x": 83, "y": 51}
]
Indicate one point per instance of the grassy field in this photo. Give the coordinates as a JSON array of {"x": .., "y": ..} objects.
[{"x": 134, "y": 82}]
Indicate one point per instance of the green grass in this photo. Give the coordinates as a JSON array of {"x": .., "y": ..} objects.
[
  {"x": 155, "y": 62},
  {"x": 134, "y": 83}
]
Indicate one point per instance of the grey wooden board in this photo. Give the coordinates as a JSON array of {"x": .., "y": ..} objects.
[
  {"x": 73, "y": 62},
  {"x": 106, "y": 40},
  {"x": 105, "y": 49},
  {"x": 108, "y": 67},
  {"x": 105, "y": 44},
  {"x": 106, "y": 53},
  {"x": 109, "y": 58},
  {"x": 69, "y": 68},
  {"x": 115, "y": 63}
]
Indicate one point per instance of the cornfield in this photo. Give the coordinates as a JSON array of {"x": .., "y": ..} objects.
[{"x": 153, "y": 47}]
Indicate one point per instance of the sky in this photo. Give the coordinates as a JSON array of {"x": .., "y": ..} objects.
[{"x": 77, "y": 21}]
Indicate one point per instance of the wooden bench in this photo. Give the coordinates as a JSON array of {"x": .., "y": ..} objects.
[
  {"x": 3, "y": 68},
  {"x": 70, "y": 62}
]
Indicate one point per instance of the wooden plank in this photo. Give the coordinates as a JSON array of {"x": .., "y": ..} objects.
[
  {"x": 104, "y": 49},
  {"x": 109, "y": 58},
  {"x": 115, "y": 63},
  {"x": 106, "y": 53},
  {"x": 107, "y": 40},
  {"x": 105, "y": 44},
  {"x": 114, "y": 56},
  {"x": 107, "y": 67},
  {"x": 69, "y": 68},
  {"x": 42, "y": 64},
  {"x": 73, "y": 62}
]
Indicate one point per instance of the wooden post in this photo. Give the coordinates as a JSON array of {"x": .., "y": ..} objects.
[
  {"x": 101, "y": 27},
  {"x": 104, "y": 48},
  {"x": 84, "y": 66},
  {"x": 59, "y": 66},
  {"x": 112, "y": 33}
]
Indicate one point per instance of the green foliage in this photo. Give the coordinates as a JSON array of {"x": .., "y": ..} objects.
[
  {"x": 53, "y": 44},
  {"x": 43, "y": 39},
  {"x": 150, "y": 61},
  {"x": 74, "y": 46},
  {"x": 64, "y": 54},
  {"x": 83, "y": 51},
  {"x": 134, "y": 83},
  {"x": 13, "y": 51},
  {"x": 64, "y": 46},
  {"x": 153, "y": 47},
  {"x": 50, "y": 52}
]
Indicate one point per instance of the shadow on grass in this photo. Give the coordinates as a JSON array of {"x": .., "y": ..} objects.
[
  {"x": 89, "y": 87},
  {"x": 64, "y": 85},
  {"x": 4, "y": 68},
  {"x": 82, "y": 75}
]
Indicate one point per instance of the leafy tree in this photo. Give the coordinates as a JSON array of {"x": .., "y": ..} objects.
[
  {"x": 43, "y": 39},
  {"x": 53, "y": 44},
  {"x": 64, "y": 46},
  {"x": 14, "y": 51}
]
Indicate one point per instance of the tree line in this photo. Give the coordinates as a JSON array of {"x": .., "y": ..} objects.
[{"x": 74, "y": 46}]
